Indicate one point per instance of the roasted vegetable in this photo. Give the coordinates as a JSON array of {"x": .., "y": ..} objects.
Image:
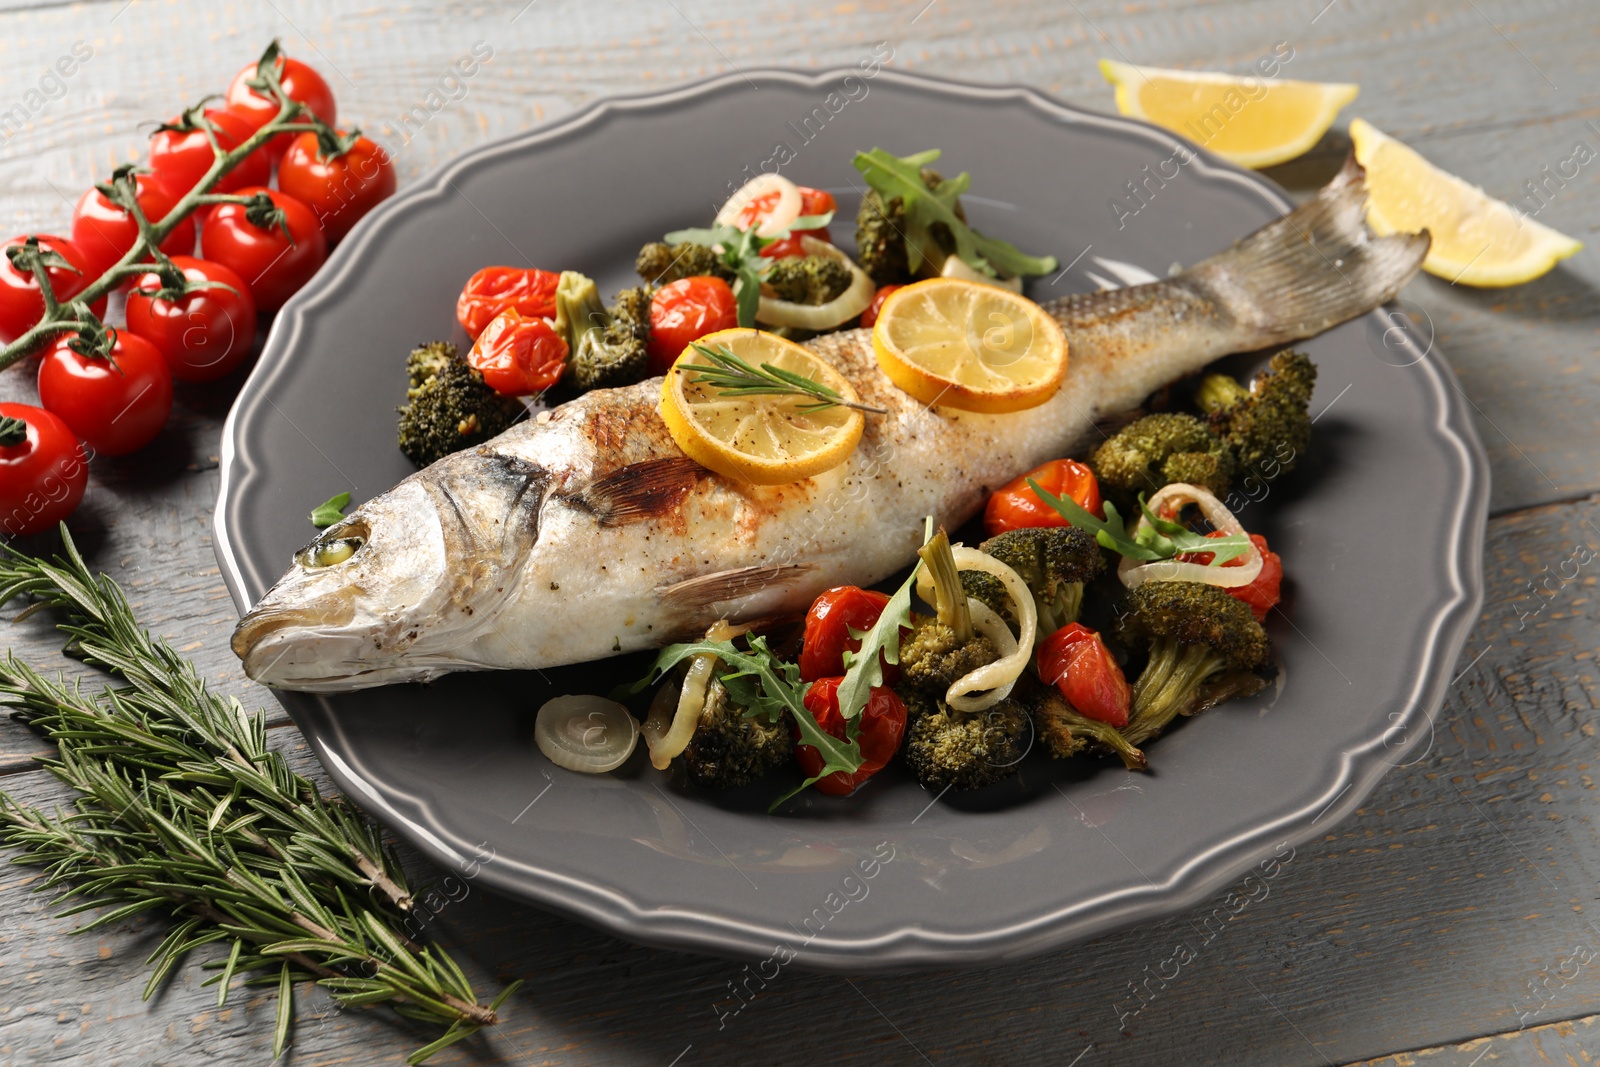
[
  {"x": 1055, "y": 561},
  {"x": 731, "y": 747},
  {"x": 1066, "y": 732},
  {"x": 1159, "y": 449},
  {"x": 1204, "y": 647},
  {"x": 946, "y": 748},
  {"x": 609, "y": 347},
  {"x": 944, "y": 647},
  {"x": 448, "y": 407},
  {"x": 807, "y": 279},
  {"x": 1268, "y": 426},
  {"x": 659, "y": 263}
]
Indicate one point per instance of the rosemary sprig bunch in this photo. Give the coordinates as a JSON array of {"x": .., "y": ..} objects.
[
  {"x": 731, "y": 376},
  {"x": 184, "y": 810}
]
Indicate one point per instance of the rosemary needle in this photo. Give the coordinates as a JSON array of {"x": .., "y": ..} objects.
[{"x": 731, "y": 376}]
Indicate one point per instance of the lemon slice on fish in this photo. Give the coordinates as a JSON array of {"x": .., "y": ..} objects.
[
  {"x": 759, "y": 437},
  {"x": 1477, "y": 240},
  {"x": 1253, "y": 121},
  {"x": 969, "y": 345}
]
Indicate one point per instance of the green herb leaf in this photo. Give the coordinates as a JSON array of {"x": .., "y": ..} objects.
[
  {"x": 731, "y": 376},
  {"x": 864, "y": 669},
  {"x": 330, "y": 511},
  {"x": 1162, "y": 539}
]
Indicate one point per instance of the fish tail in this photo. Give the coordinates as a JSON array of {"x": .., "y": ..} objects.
[{"x": 1310, "y": 270}]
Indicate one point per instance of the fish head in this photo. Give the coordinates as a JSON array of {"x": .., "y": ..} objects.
[{"x": 400, "y": 589}]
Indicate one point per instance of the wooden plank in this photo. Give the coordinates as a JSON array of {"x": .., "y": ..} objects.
[{"x": 1555, "y": 1043}]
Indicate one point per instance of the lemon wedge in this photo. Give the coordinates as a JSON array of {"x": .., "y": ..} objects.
[
  {"x": 1477, "y": 240},
  {"x": 762, "y": 438},
  {"x": 1255, "y": 122},
  {"x": 969, "y": 345}
]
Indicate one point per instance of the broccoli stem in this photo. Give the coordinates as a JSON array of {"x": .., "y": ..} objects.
[
  {"x": 1168, "y": 685},
  {"x": 1067, "y": 606},
  {"x": 950, "y": 596}
]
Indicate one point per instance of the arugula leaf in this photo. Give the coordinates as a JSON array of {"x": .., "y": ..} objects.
[
  {"x": 741, "y": 253},
  {"x": 864, "y": 669},
  {"x": 1162, "y": 539},
  {"x": 901, "y": 176},
  {"x": 330, "y": 511},
  {"x": 766, "y": 685}
]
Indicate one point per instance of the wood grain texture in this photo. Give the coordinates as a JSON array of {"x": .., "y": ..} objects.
[{"x": 1456, "y": 905}]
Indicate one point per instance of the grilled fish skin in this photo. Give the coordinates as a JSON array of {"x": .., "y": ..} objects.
[{"x": 586, "y": 532}]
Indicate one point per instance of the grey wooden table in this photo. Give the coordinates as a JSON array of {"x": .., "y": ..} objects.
[{"x": 1451, "y": 921}]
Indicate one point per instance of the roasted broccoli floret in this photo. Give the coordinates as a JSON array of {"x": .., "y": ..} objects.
[
  {"x": 880, "y": 234},
  {"x": 731, "y": 748},
  {"x": 1055, "y": 561},
  {"x": 963, "y": 750},
  {"x": 660, "y": 263},
  {"x": 448, "y": 407},
  {"x": 987, "y": 590},
  {"x": 1065, "y": 732},
  {"x": 1268, "y": 426},
  {"x": 1157, "y": 450},
  {"x": 944, "y": 647},
  {"x": 1204, "y": 647},
  {"x": 807, "y": 279},
  {"x": 607, "y": 348}
]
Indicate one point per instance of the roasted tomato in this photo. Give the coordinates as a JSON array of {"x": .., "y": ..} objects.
[
  {"x": 21, "y": 302},
  {"x": 203, "y": 334},
  {"x": 870, "y": 316},
  {"x": 338, "y": 190},
  {"x": 882, "y": 725},
  {"x": 1265, "y": 590},
  {"x": 1076, "y": 660},
  {"x": 828, "y": 624},
  {"x": 518, "y": 355},
  {"x": 181, "y": 157},
  {"x": 495, "y": 289},
  {"x": 300, "y": 82},
  {"x": 43, "y": 470},
  {"x": 254, "y": 246},
  {"x": 684, "y": 311},
  {"x": 812, "y": 202},
  {"x": 104, "y": 232},
  {"x": 1014, "y": 506},
  {"x": 116, "y": 406}
]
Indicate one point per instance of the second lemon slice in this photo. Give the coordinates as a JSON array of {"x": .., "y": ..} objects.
[
  {"x": 765, "y": 439},
  {"x": 1255, "y": 122},
  {"x": 969, "y": 345}
]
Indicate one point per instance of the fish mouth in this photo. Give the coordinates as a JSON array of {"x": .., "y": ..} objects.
[{"x": 282, "y": 629}]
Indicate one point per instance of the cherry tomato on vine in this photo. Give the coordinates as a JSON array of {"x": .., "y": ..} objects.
[
  {"x": 685, "y": 311},
  {"x": 875, "y": 305},
  {"x": 300, "y": 82},
  {"x": 116, "y": 406},
  {"x": 1076, "y": 660},
  {"x": 827, "y": 635},
  {"x": 1014, "y": 506},
  {"x": 496, "y": 289},
  {"x": 339, "y": 191},
  {"x": 104, "y": 232},
  {"x": 202, "y": 334},
  {"x": 812, "y": 202},
  {"x": 180, "y": 158},
  {"x": 43, "y": 470},
  {"x": 1265, "y": 590},
  {"x": 880, "y": 727},
  {"x": 21, "y": 302},
  {"x": 519, "y": 356},
  {"x": 273, "y": 265}
]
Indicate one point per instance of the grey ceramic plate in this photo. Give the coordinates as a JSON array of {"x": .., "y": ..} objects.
[{"x": 1067, "y": 850}]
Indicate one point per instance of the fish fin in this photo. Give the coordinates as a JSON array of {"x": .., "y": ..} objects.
[
  {"x": 720, "y": 587},
  {"x": 1312, "y": 269},
  {"x": 639, "y": 491}
]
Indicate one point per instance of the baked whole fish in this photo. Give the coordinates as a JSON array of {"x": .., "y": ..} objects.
[{"x": 586, "y": 532}]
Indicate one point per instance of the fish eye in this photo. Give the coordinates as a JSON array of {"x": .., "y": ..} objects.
[{"x": 335, "y": 546}]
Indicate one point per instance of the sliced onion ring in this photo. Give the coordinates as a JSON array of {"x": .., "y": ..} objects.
[
  {"x": 841, "y": 309},
  {"x": 1134, "y": 573},
  {"x": 784, "y": 212},
  {"x": 668, "y": 730},
  {"x": 988, "y": 685},
  {"x": 586, "y": 733}
]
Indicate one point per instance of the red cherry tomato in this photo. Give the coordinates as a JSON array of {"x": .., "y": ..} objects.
[
  {"x": 870, "y": 316},
  {"x": 812, "y": 202},
  {"x": 684, "y": 311},
  {"x": 43, "y": 470},
  {"x": 300, "y": 82},
  {"x": 204, "y": 334},
  {"x": 1265, "y": 590},
  {"x": 272, "y": 265},
  {"x": 180, "y": 158},
  {"x": 519, "y": 356},
  {"x": 21, "y": 302},
  {"x": 496, "y": 289},
  {"x": 104, "y": 232},
  {"x": 1076, "y": 660},
  {"x": 1014, "y": 506},
  {"x": 828, "y": 624},
  {"x": 114, "y": 409},
  {"x": 881, "y": 725},
  {"x": 339, "y": 191}
]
